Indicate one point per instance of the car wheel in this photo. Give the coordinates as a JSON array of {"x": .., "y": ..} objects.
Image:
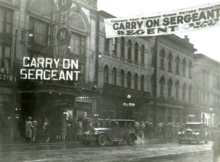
[
  {"x": 180, "y": 142},
  {"x": 131, "y": 140},
  {"x": 115, "y": 143},
  {"x": 86, "y": 143},
  {"x": 102, "y": 139}
]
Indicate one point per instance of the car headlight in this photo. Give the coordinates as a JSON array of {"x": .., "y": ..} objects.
[{"x": 96, "y": 132}]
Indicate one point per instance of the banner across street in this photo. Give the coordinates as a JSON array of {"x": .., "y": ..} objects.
[{"x": 183, "y": 20}]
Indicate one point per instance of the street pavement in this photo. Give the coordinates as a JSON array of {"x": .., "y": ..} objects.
[{"x": 142, "y": 151}]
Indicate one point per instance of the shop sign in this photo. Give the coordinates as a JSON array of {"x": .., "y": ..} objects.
[
  {"x": 4, "y": 75},
  {"x": 64, "y": 4}
]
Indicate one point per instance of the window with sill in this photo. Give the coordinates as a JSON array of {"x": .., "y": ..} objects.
[
  {"x": 162, "y": 83},
  {"x": 106, "y": 72},
  {"x": 177, "y": 85},
  {"x": 114, "y": 76},
  {"x": 190, "y": 92},
  {"x": 184, "y": 91},
  {"x": 122, "y": 47},
  {"x": 5, "y": 56},
  {"x": 170, "y": 84},
  {"x": 184, "y": 67},
  {"x": 170, "y": 59},
  {"x": 6, "y": 19},
  {"x": 177, "y": 65},
  {"x": 122, "y": 78},
  {"x": 190, "y": 70},
  {"x": 162, "y": 56},
  {"x": 136, "y": 53},
  {"x": 115, "y": 46},
  {"x": 129, "y": 80},
  {"x": 129, "y": 50},
  {"x": 40, "y": 31},
  {"x": 77, "y": 44},
  {"x": 107, "y": 45},
  {"x": 136, "y": 81},
  {"x": 142, "y": 83},
  {"x": 142, "y": 54}
]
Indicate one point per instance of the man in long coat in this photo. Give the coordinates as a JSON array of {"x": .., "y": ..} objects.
[{"x": 28, "y": 131}]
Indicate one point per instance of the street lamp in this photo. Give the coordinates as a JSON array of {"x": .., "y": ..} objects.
[{"x": 129, "y": 104}]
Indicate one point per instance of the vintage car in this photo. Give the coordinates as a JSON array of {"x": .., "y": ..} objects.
[
  {"x": 117, "y": 130},
  {"x": 194, "y": 132}
]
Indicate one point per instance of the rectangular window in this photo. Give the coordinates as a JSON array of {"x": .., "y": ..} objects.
[
  {"x": 6, "y": 19},
  {"x": 5, "y": 56},
  {"x": 77, "y": 43},
  {"x": 40, "y": 31}
]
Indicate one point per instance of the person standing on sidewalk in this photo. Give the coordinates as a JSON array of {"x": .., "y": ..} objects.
[
  {"x": 46, "y": 128},
  {"x": 28, "y": 130},
  {"x": 216, "y": 144},
  {"x": 34, "y": 123}
]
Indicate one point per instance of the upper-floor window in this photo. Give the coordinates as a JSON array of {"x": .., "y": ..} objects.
[
  {"x": 177, "y": 65},
  {"x": 136, "y": 52},
  {"x": 136, "y": 81},
  {"x": 184, "y": 91},
  {"x": 115, "y": 46},
  {"x": 6, "y": 19},
  {"x": 190, "y": 92},
  {"x": 142, "y": 83},
  {"x": 162, "y": 83},
  {"x": 5, "y": 56},
  {"x": 40, "y": 31},
  {"x": 106, "y": 72},
  {"x": 77, "y": 43},
  {"x": 129, "y": 50},
  {"x": 170, "y": 84},
  {"x": 184, "y": 67},
  {"x": 170, "y": 59},
  {"x": 129, "y": 80},
  {"x": 177, "y": 85},
  {"x": 162, "y": 56},
  {"x": 122, "y": 78},
  {"x": 122, "y": 47},
  {"x": 142, "y": 54},
  {"x": 107, "y": 45},
  {"x": 114, "y": 76}
]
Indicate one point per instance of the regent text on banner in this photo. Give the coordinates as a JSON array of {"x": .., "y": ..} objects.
[{"x": 165, "y": 23}]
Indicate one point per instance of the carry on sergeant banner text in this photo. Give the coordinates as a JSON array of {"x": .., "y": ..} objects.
[{"x": 165, "y": 23}]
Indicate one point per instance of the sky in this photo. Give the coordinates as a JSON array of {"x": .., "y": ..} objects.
[{"x": 206, "y": 41}]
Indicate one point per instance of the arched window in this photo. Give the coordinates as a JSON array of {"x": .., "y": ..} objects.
[
  {"x": 142, "y": 83},
  {"x": 107, "y": 45},
  {"x": 190, "y": 92},
  {"x": 106, "y": 71},
  {"x": 170, "y": 84},
  {"x": 129, "y": 50},
  {"x": 136, "y": 81},
  {"x": 162, "y": 56},
  {"x": 190, "y": 70},
  {"x": 142, "y": 54},
  {"x": 170, "y": 59},
  {"x": 162, "y": 82},
  {"x": 129, "y": 80},
  {"x": 177, "y": 89},
  {"x": 177, "y": 65},
  {"x": 122, "y": 47},
  {"x": 184, "y": 91},
  {"x": 114, "y": 76},
  {"x": 136, "y": 52},
  {"x": 184, "y": 67},
  {"x": 122, "y": 78},
  {"x": 115, "y": 46}
]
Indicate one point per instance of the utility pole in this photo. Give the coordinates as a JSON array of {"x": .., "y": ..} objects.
[
  {"x": 51, "y": 29},
  {"x": 97, "y": 50},
  {"x": 155, "y": 121}
]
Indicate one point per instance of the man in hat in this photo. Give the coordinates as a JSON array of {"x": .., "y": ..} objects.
[{"x": 216, "y": 144}]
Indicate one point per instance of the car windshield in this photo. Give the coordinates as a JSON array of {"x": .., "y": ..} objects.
[{"x": 193, "y": 126}]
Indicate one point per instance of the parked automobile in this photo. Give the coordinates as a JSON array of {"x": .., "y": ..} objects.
[
  {"x": 194, "y": 132},
  {"x": 116, "y": 130}
]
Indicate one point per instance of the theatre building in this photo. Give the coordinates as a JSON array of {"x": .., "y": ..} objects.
[
  {"x": 207, "y": 88},
  {"x": 30, "y": 29}
]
